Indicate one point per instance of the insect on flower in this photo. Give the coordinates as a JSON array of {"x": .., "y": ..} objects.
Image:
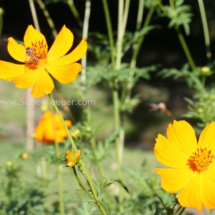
[
  {"x": 40, "y": 64},
  {"x": 30, "y": 56}
]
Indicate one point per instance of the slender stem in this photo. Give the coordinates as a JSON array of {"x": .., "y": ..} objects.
[
  {"x": 48, "y": 17},
  {"x": 136, "y": 49},
  {"x": 110, "y": 32},
  {"x": 118, "y": 153},
  {"x": 64, "y": 124},
  {"x": 89, "y": 180},
  {"x": 75, "y": 12},
  {"x": 65, "y": 106},
  {"x": 57, "y": 152},
  {"x": 140, "y": 14},
  {"x": 85, "y": 34},
  {"x": 186, "y": 49},
  {"x": 30, "y": 106},
  {"x": 205, "y": 29},
  {"x": 125, "y": 17},
  {"x": 183, "y": 42},
  {"x": 1, "y": 24},
  {"x": 34, "y": 14},
  {"x": 182, "y": 211},
  {"x": 119, "y": 35},
  {"x": 101, "y": 173},
  {"x": 89, "y": 194}
]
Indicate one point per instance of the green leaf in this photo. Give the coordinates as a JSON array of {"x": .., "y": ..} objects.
[{"x": 108, "y": 183}]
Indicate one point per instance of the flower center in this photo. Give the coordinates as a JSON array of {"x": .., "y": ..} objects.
[
  {"x": 36, "y": 54},
  {"x": 200, "y": 159},
  {"x": 40, "y": 49}
]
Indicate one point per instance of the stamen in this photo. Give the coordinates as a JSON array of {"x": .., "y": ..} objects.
[{"x": 200, "y": 160}]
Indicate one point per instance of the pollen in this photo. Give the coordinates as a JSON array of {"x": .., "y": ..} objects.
[
  {"x": 200, "y": 159},
  {"x": 40, "y": 49}
]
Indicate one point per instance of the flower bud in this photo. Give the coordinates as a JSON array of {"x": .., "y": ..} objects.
[
  {"x": 25, "y": 156},
  {"x": 72, "y": 157},
  {"x": 76, "y": 134},
  {"x": 205, "y": 70},
  {"x": 9, "y": 163},
  {"x": 1, "y": 11}
]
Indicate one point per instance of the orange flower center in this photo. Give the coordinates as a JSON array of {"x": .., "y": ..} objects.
[
  {"x": 37, "y": 53},
  {"x": 200, "y": 159},
  {"x": 40, "y": 49}
]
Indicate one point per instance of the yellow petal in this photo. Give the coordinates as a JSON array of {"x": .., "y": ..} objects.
[
  {"x": 207, "y": 188},
  {"x": 64, "y": 73},
  {"x": 43, "y": 84},
  {"x": 190, "y": 194},
  {"x": 16, "y": 51},
  {"x": 74, "y": 56},
  {"x": 173, "y": 180},
  {"x": 183, "y": 136},
  {"x": 207, "y": 137},
  {"x": 168, "y": 154},
  {"x": 8, "y": 70},
  {"x": 25, "y": 81},
  {"x": 61, "y": 45},
  {"x": 211, "y": 170},
  {"x": 32, "y": 36}
]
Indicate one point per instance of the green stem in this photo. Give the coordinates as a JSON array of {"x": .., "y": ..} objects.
[
  {"x": 117, "y": 126},
  {"x": 89, "y": 180},
  {"x": 75, "y": 12},
  {"x": 183, "y": 42},
  {"x": 125, "y": 17},
  {"x": 57, "y": 152},
  {"x": 136, "y": 49},
  {"x": 181, "y": 211},
  {"x": 140, "y": 14},
  {"x": 205, "y": 29},
  {"x": 89, "y": 194},
  {"x": 185, "y": 48},
  {"x": 1, "y": 24},
  {"x": 101, "y": 173},
  {"x": 110, "y": 32},
  {"x": 48, "y": 18}
]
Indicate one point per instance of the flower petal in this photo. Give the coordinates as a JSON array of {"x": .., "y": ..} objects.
[
  {"x": 183, "y": 136},
  {"x": 43, "y": 84},
  {"x": 207, "y": 188},
  {"x": 173, "y": 180},
  {"x": 207, "y": 137},
  {"x": 64, "y": 73},
  {"x": 74, "y": 56},
  {"x": 169, "y": 154},
  {"x": 25, "y": 81},
  {"x": 61, "y": 45},
  {"x": 8, "y": 70},
  {"x": 16, "y": 51},
  {"x": 190, "y": 194},
  {"x": 32, "y": 36}
]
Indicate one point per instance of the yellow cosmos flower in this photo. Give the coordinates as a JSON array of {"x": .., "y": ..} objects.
[
  {"x": 192, "y": 165},
  {"x": 39, "y": 62}
]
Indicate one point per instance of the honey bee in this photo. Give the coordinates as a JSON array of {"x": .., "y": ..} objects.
[{"x": 30, "y": 53}]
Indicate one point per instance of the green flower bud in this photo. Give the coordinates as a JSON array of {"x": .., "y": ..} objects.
[
  {"x": 76, "y": 134},
  {"x": 205, "y": 70}
]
